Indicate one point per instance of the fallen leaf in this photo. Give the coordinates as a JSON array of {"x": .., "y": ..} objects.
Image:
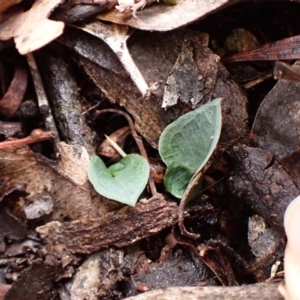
[
  {"x": 46, "y": 180},
  {"x": 39, "y": 207},
  {"x": 285, "y": 71},
  {"x": 3, "y": 290},
  {"x": 187, "y": 144},
  {"x": 12, "y": 99},
  {"x": 152, "y": 51},
  {"x": 184, "y": 269},
  {"x": 184, "y": 71},
  {"x": 276, "y": 126},
  {"x": 291, "y": 165},
  {"x": 116, "y": 36},
  {"x": 165, "y": 17},
  {"x": 216, "y": 258},
  {"x": 31, "y": 29},
  {"x": 285, "y": 49},
  {"x": 119, "y": 136},
  {"x": 123, "y": 181}
]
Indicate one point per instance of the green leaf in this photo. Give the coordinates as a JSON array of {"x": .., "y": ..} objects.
[
  {"x": 123, "y": 181},
  {"x": 187, "y": 144}
]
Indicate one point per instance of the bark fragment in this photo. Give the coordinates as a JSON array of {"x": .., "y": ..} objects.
[
  {"x": 263, "y": 291},
  {"x": 119, "y": 228},
  {"x": 263, "y": 184},
  {"x": 65, "y": 98}
]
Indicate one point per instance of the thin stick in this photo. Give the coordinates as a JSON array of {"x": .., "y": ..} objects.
[
  {"x": 91, "y": 108},
  {"x": 137, "y": 139},
  {"x": 116, "y": 146},
  {"x": 37, "y": 135},
  {"x": 42, "y": 99}
]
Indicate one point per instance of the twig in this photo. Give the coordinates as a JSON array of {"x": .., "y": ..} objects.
[
  {"x": 43, "y": 103},
  {"x": 37, "y": 135},
  {"x": 91, "y": 108},
  {"x": 137, "y": 139},
  {"x": 116, "y": 146},
  {"x": 253, "y": 83}
]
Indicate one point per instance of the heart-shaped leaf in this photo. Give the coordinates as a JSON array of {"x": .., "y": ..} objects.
[
  {"x": 187, "y": 144},
  {"x": 123, "y": 181}
]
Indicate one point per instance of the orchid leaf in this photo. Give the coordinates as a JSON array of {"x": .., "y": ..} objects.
[
  {"x": 123, "y": 181},
  {"x": 187, "y": 144}
]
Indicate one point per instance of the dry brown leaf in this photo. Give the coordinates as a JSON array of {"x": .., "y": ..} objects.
[
  {"x": 276, "y": 126},
  {"x": 47, "y": 180},
  {"x": 31, "y": 29},
  {"x": 119, "y": 137},
  {"x": 12, "y": 99},
  {"x": 5, "y": 4},
  {"x": 166, "y": 17}
]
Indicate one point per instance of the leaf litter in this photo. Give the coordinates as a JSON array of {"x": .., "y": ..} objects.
[
  {"x": 68, "y": 209},
  {"x": 28, "y": 28}
]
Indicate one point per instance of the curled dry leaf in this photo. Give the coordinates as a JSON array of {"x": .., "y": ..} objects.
[
  {"x": 285, "y": 49},
  {"x": 31, "y": 29},
  {"x": 165, "y": 17},
  {"x": 12, "y": 99},
  {"x": 119, "y": 136}
]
